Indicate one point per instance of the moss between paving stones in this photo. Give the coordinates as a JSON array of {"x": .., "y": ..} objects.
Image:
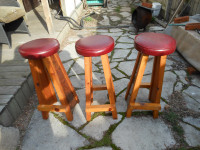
[
  {"x": 173, "y": 120},
  {"x": 106, "y": 140},
  {"x": 117, "y": 9}
]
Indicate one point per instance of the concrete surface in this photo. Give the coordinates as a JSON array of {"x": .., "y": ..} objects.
[{"x": 9, "y": 138}]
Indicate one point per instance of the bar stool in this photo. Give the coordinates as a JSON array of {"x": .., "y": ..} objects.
[
  {"x": 48, "y": 73},
  {"x": 92, "y": 46},
  {"x": 158, "y": 45}
]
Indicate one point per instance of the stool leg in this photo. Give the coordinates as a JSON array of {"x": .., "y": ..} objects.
[
  {"x": 154, "y": 79},
  {"x": 65, "y": 81},
  {"x": 156, "y": 88},
  {"x": 109, "y": 83},
  {"x": 91, "y": 82},
  {"x": 133, "y": 75},
  {"x": 51, "y": 68},
  {"x": 44, "y": 88},
  {"x": 138, "y": 80},
  {"x": 87, "y": 61}
]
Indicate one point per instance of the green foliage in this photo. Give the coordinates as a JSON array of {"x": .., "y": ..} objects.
[
  {"x": 117, "y": 9},
  {"x": 88, "y": 18},
  {"x": 132, "y": 10},
  {"x": 153, "y": 19}
]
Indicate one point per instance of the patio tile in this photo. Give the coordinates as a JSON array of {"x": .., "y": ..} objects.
[
  {"x": 50, "y": 134},
  {"x": 191, "y": 133},
  {"x": 99, "y": 125},
  {"x": 144, "y": 133}
]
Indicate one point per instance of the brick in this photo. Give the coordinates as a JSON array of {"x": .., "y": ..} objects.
[
  {"x": 20, "y": 99},
  {"x": 14, "y": 108},
  {"x": 5, "y": 117}
]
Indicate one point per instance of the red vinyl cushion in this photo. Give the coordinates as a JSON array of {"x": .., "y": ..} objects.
[
  {"x": 95, "y": 45},
  {"x": 39, "y": 48},
  {"x": 156, "y": 44}
]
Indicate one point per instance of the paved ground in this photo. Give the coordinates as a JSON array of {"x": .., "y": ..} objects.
[{"x": 178, "y": 125}]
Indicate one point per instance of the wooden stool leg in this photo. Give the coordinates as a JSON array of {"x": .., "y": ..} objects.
[
  {"x": 138, "y": 80},
  {"x": 87, "y": 61},
  {"x": 44, "y": 88},
  {"x": 154, "y": 79},
  {"x": 65, "y": 81},
  {"x": 109, "y": 83},
  {"x": 91, "y": 81},
  {"x": 133, "y": 75},
  {"x": 159, "y": 73},
  {"x": 50, "y": 66}
]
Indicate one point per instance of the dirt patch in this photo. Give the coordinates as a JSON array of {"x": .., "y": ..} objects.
[{"x": 23, "y": 120}]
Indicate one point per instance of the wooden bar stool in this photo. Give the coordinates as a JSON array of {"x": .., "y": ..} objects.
[
  {"x": 48, "y": 73},
  {"x": 97, "y": 45},
  {"x": 158, "y": 45}
]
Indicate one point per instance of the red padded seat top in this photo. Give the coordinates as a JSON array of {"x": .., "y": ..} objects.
[
  {"x": 156, "y": 44},
  {"x": 95, "y": 45},
  {"x": 39, "y": 48}
]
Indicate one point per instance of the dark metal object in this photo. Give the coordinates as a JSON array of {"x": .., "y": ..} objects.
[{"x": 141, "y": 17}]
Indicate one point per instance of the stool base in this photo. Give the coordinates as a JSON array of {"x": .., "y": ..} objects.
[
  {"x": 48, "y": 73},
  {"x": 90, "y": 88},
  {"x": 155, "y": 86}
]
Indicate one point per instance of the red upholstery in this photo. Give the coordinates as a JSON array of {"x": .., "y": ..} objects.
[
  {"x": 95, "y": 45},
  {"x": 39, "y": 48},
  {"x": 156, "y": 44}
]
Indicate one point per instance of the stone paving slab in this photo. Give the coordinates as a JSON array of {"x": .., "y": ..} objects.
[
  {"x": 50, "y": 134},
  {"x": 143, "y": 133},
  {"x": 191, "y": 128},
  {"x": 99, "y": 125},
  {"x": 9, "y": 138}
]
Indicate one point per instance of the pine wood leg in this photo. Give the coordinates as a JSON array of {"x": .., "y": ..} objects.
[
  {"x": 91, "y": 80},
  {"x": 160, "y": 70},
  {"x": 109, "y": 82},
  {"x": 153, "y": 81},
  {"x": 133, "y": 75},
  {"x": 87, "y": 63},
  {"x": 66, "y": 80},
  {"x": 68, "y": 89},
  {"x": 44, "y": 88},
  {"x": 51, "y": 68},
  {"x": 138, "y": 80},
  {"x": 45, "y": 115}
]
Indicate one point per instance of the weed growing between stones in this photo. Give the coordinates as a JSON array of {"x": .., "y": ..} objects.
[
  {"x": 173, "y": 120},
  {"x": 106, "y": 140},
  {"x": 117, "y": 9},
  {"x": 88, "y": 18},
  {"x": 72, "y": 127}
]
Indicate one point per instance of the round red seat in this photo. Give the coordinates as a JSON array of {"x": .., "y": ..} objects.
[
  {"x": 95, "y": 45},
  {"x": 156, "y": 44},
  {"x": 39, "y": 48}
]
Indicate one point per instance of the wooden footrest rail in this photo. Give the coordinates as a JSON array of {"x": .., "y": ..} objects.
[
  {"x": 145, "y": 85},
  {"x": 100, "y": 108},
  {"x": 145, "y": 106},
  {"x": 99, "y": 87},
  {"x": 54, "y": 108}
]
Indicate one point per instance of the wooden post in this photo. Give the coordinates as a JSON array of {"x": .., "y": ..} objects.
[
  {"x": 88, "y": 67},
  {"x": 138, "y": 80},
  {"x": 109, "y": 83},
  {"x": 133, "y": 75},
  {"x": 168, "y": 11},
  {"x": 47, "y": 15}
]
